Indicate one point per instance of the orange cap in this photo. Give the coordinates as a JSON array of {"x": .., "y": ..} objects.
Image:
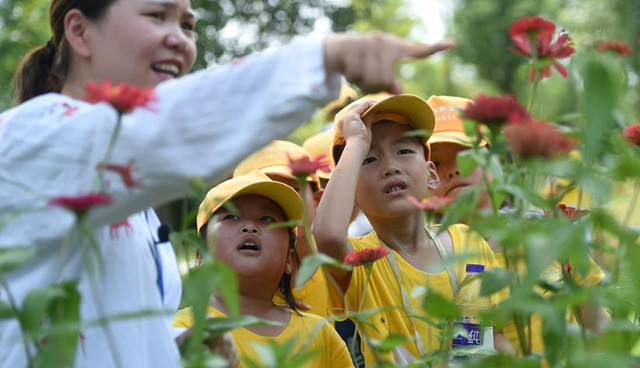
[
  {"x": 318, "y": 145},
  {"x": 449, "y": 127},
  {"x": 403, "y": 109},
  {"x": 274, "y": 159}
]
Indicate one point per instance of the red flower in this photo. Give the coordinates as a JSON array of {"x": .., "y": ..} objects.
[
  {"x": 81, "y": 203},
  {"x": 618, "y": 47},
  {"x": 531, "y": 27},
  {"x": 366, "y": 256},
  {"x": 537, "y": 139},
  {"x": 495, "y": 110},
  {"x": 527, "y": 30},
  {"x": 572, "y": 213},
  {"x": 566, "y": 267},
  {"x": 305, "y": 166},
  {"x": 124, "y": 171},
  {"x": 632, "y": 134},
  {"x": 124, "y": 97},
  {"x": 432, "y": 203}
]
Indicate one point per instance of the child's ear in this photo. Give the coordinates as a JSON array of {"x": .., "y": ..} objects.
[
  {"x": 288, "y": 267},
  {"x": 433, "y": 181}
]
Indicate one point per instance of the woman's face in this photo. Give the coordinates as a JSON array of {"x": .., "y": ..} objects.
[{"x": 142, "y": 42}]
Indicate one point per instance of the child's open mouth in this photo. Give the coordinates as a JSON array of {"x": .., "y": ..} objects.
[
  {"x": 250, "y": 246},
  {"x": 395, "y": 188}
]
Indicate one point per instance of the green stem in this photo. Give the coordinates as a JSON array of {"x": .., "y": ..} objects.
[
  {"x": 621, "y": 244},
  {"x": 111, "y": 345},
  {"x": 364, "y": 291},
  {"x": 534, "y": 91},
  {"x": 16, "y": 311},
  {"x": 98, "y": 181}
]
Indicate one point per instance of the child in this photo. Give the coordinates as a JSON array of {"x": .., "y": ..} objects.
[
  {"x": 263, "y": 259},
  {"x": 273, "y": 160},
  {"x": 447, "y": 140},
  {"x": 378, "y": 166}
]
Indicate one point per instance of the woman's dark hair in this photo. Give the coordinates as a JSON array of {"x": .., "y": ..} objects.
[
  {"x": 44, "y": 69},
  {"x": 285, "y": 290}
]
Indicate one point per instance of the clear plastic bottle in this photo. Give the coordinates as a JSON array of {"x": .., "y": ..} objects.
[{"x": 472, "y": 305}]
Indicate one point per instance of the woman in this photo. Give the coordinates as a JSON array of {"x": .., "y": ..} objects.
[{"x": 201, "y": 125}]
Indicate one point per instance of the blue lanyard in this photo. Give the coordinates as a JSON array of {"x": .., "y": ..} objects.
[{"x": 153, "y": 247}]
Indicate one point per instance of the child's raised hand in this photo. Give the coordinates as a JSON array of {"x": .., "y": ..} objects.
[
  {"x": 354, "y": 128},
  {"x": 369, "y": 60}
]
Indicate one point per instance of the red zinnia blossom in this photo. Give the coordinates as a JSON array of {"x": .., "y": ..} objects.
[
  {"x": 537, "y": 139},
  {"x": 432, "y": 203},
  {"x": 541, "y": 31},
  {"x": 632, "y": 134},
  {"x": 305, "y": 166},
  {"x": 124, "y": 171},
  {"x": 124, "y": 97},
  {"x": 366, "y": 256},
  {"x": 81, "y": 203},
  {"x": 495, "y": 110},
  {"x": 572, "y": 213},
  {"x": 619, "y": 47},
  {"x": 531, "y": 27}
]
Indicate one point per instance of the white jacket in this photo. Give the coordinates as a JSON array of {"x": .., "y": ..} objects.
[{"x": 202, "y": 125}]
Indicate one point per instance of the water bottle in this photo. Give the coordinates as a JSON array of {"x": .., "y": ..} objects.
[{"x": 472, "y": 305}]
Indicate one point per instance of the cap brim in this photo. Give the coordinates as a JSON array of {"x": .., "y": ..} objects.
[
  {"x": 413, "y": 107},
  {"x": 282, "y": 194},
  {"x": 285, "y": 172}
]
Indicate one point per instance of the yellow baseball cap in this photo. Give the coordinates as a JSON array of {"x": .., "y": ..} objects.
[
  {"x": 403, "y": 109},
  {"x": 274, "y": 159},
  {"x": 252, "y": 183},
  {"x": 449, "y": 127},
  {"x": 318, "y": 145}
]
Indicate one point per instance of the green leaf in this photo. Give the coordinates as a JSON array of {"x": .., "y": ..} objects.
[
  {"x": 14, "y": 257},
  {"x": 439, "y": 306},
  {"x": 494, "y": 280},
  {"x": 466, "y": 162},
  {"x": 291, "y": 223},
  {"x": 600, "y": 97},
  {"x": 35, "y": 307},
  {"x": 6, "y": 311},
  {"x": 311, "y": 263},
  {"x": 527, "y": 195},
  {"x": 221, "y": 325},
  {"x": 389, "y": 343},
  {"x": 228, "y": 286},
  {"x": 417, "y": 133}
]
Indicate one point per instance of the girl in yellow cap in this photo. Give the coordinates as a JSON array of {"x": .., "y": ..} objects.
[{"x": 263, "y": 259}]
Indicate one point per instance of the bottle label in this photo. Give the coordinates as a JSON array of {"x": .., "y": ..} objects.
[{"x": 475, "y": 335}]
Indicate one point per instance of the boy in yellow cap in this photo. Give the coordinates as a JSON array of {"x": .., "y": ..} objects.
[
  {"x": 378, "y": 165},
  {"x": 447, "y": 140},
  {"x": 263, "y": 259},
  {"x": 273, "y": 160}
]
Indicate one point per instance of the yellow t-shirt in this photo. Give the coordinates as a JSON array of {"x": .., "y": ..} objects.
[
  {"x": 315, "y": 293},
  {"x": 333, "y": 351},
  {"x": 553, "y": 274},
  {"x": 384, "y": 290}
]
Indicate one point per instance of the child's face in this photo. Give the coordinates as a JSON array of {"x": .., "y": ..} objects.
[
  {"x": 394, "y": 168},
  {"x": 243, "y": 242},
  {"x": 452, "y": 183}
]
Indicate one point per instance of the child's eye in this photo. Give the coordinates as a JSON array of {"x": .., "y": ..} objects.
[
  {"x": 156, "y": 15},
  {"x": 268, "y": 219},
  {"x": 404, "y": 151},
  {"x": 188, "y": 26},
  {"x": 230, "y": 217},
  {"x": 369, "y": 160}
]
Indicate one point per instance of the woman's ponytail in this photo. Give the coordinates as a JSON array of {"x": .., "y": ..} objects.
[{"x": 35, "y": 75}]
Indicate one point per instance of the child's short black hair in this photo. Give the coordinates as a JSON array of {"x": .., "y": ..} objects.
[{"x": 285, "y": 290}]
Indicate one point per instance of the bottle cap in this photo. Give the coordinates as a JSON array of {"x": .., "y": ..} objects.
[{"x": 475, "y": 268}]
